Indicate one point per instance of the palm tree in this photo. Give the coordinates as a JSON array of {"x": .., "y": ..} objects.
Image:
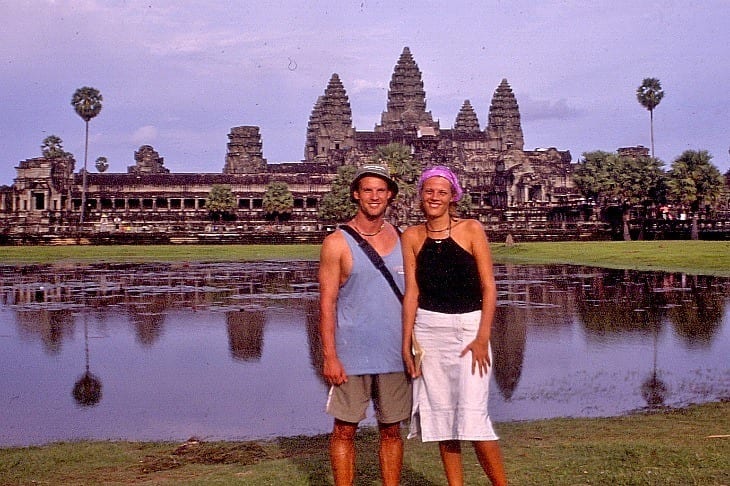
[
  {"x": 693, "y": 182},
  {"x": 278, "y": 200},
  {"x": 52, "y": 147},
  {"x": 337, "y": 205},
  {"x": 87, "y": 104},
  {"x": 102, "y": 164},
  {"x": 221, "y": 202},
  {"x": 649, "y": 94},
  {"x": 405, "y": 169}
]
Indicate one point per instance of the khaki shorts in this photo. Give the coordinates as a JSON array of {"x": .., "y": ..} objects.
[{"x": 390, "y": 393}]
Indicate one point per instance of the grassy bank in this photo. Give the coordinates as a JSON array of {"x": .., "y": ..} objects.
[
  {"x": 155, "y": 253},
  {"x": 700, "y": 257},
  {"x": 696, "y": 257},
  {"x": 680, "y": 447}
]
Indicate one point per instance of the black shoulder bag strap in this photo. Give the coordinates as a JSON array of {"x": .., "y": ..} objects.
[{"x": 375, "y": 258}]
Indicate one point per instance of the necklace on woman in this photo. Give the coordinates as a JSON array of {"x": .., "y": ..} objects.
[
  {"x": 439, "y": 240},
  {"x": 428, "y": 228},
  {"x": 369, "y": 234}
]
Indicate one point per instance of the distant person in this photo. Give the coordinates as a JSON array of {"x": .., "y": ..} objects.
[
  {"x": 360, "y": 326},
  {"x": 448, "y": 310}
]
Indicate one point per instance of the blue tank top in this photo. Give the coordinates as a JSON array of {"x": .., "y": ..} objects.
[{"x": 369, "y": 329}]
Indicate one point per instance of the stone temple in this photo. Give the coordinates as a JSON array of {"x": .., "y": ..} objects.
[{"x": 501, "y": 177}]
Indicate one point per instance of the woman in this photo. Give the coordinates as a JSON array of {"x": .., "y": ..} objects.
[{"x": 447, "y": 312}]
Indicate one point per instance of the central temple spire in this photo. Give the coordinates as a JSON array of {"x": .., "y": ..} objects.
[
  {"x": 504, "y": 128},
  {"x": 406, "y": 109}
]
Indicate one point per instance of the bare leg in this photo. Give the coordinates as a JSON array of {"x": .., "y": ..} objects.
[
  {"x": 490, "y": 458},
  {"x": 342, "y": 452},
  {"x": 451, "y": 458},
  {"x": 391, "y": 453}
]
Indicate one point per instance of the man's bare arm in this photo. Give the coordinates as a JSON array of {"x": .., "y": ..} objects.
[{"x": 330, "y": 278}]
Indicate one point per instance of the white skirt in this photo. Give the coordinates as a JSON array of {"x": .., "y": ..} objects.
[{"x": 449, "y": 402}]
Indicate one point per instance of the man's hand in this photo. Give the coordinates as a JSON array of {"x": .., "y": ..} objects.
[{"x": 334, "y": 372}]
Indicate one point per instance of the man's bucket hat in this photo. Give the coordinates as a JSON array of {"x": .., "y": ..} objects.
[{"x": 374, "y": 170}]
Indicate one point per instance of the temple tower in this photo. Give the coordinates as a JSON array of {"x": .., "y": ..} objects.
[
  {"x": 504, "y": 129},
  {"x": 245, "y": 151},
  {"x": 147, "y": 161},
  {"x": 330, "y": 132},
  {"x": 466, "y": 120},
  {"x": 406, "y": 108}
]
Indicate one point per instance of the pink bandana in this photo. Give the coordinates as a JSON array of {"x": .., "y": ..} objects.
[{"x": 445, "y": 172}]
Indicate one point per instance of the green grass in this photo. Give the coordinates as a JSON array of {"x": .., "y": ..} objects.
[
  {"x": 666, "y": 448},
  {"x": 696, "y": 257},
  {"x": 161, "y": 253}
]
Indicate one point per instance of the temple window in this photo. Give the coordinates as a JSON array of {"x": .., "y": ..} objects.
[
  {"x": 161, "y": 203},
  {"x": 134, "y": 203},
  {"x": 147, "y": 203},
  {"x": 175, "y": 203},
  {"x": 257, "y": 203},
  {"x": 106, "y": 203},
  {"x": 119, "y": 203},
  {"x": 40, "y": 200},
  {"x": 244, "y": 203},
  {"x": 298, "y": 203},
  {"x": 189, "y": 203},
  {"x": 312, "y": 202}
]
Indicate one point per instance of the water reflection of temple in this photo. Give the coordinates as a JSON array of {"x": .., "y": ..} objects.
[
  {"x": 52, "y": 327},
  {"x": 508, "y": 340},
  {"x": 246, "y": 333},
  {"x": 46, "y": 299},
  {"x": 532, "y": 300}
]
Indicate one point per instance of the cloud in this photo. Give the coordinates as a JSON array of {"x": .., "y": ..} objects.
[
  {"x": 145, "y": 135},
  {"x": 360, "y": 85},
  {"x": 532, "y": 109}
]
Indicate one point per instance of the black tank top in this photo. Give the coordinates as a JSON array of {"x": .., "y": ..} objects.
[{"x": 447, "y": 277}]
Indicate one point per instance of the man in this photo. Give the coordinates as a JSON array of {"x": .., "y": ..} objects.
[{"x": 360, "y": 325}]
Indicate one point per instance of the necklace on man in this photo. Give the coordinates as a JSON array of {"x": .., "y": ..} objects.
[{"x": 369, "y": 234}]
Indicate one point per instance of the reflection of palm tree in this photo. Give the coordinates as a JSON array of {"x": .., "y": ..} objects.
[
  {"x": 602, "y": 307},
  {"x": 699, "y": 318},
  {"x": 87, "y": 390},
  {"x": 653, "y": 389}
]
